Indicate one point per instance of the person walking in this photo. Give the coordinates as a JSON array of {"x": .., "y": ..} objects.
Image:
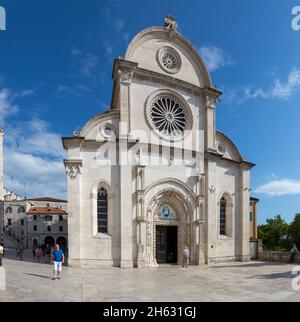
[
  {"x": 19, "y": 251},
  {"x": 33, "y": 251},
  {"x": 58, "y": 258},
  {"x": 38, "y": 254},
  {"x": 1, "y": 253},
  {"x": 186, "y": 256},
  {"x": 48, "y": 254},
  {"x": 293, "y": 253}
]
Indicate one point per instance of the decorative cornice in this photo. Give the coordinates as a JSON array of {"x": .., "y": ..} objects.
[
  {"x": 217, "y": 156},
  {"x": 73, "y": 168}
]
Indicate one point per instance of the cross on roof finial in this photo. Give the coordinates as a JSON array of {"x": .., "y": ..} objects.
[{"x": 170, "y": 23}]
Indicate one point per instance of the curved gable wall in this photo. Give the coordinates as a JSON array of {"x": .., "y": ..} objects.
[{"x": 144, "y": 48}]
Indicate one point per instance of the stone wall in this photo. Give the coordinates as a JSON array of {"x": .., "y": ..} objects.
[{"x": 279, "y": 257}]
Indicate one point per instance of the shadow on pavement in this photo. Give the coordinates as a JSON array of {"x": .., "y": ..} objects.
[
  {"x": 41, "y": 276},
  {"x": 252, "y": 264},
  {"x": 273, "y": 276}
]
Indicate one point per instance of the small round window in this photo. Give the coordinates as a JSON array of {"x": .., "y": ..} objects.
[
  {"x": 107, "y": 130},
  {"x": 169, "y": 60}
]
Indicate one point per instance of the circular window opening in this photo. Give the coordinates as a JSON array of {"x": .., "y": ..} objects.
[
  {"x": 168, "y": 116},
  {"x": 169, "y": 60},
  {"x": 107, "y": 130}
]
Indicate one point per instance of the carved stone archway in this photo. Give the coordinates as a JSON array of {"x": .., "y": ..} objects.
[{"x": 184, "y": 221}]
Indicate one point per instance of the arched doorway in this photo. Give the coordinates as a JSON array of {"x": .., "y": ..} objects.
[
  {"x": 49, "y": 241},
  {"x": 170, "y": 227},
  {"x": 62, "y": 242},
  {"x": 167, "y": 236},
  {"x": 35, "y": 243}
]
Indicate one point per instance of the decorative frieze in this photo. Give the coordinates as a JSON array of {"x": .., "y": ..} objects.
[{"x": 73, "y": 168}]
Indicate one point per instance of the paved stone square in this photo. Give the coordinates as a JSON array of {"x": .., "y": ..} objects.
[{"x": 255, "y": 281}]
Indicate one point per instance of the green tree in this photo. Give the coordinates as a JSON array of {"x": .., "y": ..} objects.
[
  {"x": 275, "y": 234},
  {"x": 295, "y": 230}
]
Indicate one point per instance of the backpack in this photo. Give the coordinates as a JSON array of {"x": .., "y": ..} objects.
[{"x": 1, "y": 250}]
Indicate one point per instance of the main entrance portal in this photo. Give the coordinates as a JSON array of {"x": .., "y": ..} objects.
[{"x": 166, "y": 244}]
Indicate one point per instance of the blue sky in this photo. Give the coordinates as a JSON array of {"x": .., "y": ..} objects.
[{"x": 56, "y": 61}]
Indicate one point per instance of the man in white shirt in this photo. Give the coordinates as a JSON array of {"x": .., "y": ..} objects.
[{"x": 186, "y": 256}]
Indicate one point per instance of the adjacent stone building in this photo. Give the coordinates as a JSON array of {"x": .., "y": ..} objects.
[
  {"x": 36, "y": 221},
  {"x": 153, "y": 174},
  {"x": 253, "y": 218}
]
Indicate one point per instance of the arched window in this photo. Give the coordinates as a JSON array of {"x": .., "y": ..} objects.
[
  {"x": 223, "y": 214},
  {"x": 102, "y": 211},
  {"x": 21, "y": 209},
  {"x": 9, "y": 210}
]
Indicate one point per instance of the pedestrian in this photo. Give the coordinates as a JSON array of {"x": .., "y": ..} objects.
[
  {"x": 38, "y": 254},
  {"x": 58, "y": 258},
  {"x": 1, "y": 253},
  {"x": 293, "y": 253},
  {"x": 33, "y": 251},
  {"x": 186, "y": 256},
  {"x": 19, "y": 251},
  {"x": 48, "y": 252}
]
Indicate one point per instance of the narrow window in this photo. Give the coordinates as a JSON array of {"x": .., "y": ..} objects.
[
  {"x": 251, "y": 216},
  {"x": 102, "y": 210},
  {"x": 35, "y": 228},
  {"x": 223, "y": 216},
  {"x": 61, "y": 228}
]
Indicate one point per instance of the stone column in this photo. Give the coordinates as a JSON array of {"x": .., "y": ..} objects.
[
  {"x": 244, "y": 213},
  {"x": 211, "y": 99},
  {"x": 210, "y": 211},
  {"x": 141, "y": 225},
  {"x": 74, "y": 212},
  {"x": 125, "y": 79}
]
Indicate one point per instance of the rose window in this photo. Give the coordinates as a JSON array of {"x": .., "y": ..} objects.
[
  {"x": 168, "y": 116},
  {"x": 169, "y": 61}
]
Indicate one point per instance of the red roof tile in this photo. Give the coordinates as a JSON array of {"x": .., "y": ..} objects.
[
  {"x": 46, "y": 211},
  {"x": 46, "y": 199}
]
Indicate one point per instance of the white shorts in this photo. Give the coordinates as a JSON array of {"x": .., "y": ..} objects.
[{"x": 58, "y": 266}]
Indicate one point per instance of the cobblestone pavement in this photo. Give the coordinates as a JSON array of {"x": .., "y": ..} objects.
[{"x": 255, "y": 281}]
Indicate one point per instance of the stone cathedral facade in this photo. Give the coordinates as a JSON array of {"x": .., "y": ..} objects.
[{"x": 152, "y": 174}]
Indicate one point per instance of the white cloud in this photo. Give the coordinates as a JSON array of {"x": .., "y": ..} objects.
[
  {"x": 279, "y": 187},
  {"x": 215, "y": 57},
  {"x": 34, "y": 137},
  {"x": 88, "y": 64},
  {"x": 7, "y": 107},
  {"x": 277, "y": 90},
  {"x": 34, "y": 176},
  {"x": 33, "y": 154}
]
